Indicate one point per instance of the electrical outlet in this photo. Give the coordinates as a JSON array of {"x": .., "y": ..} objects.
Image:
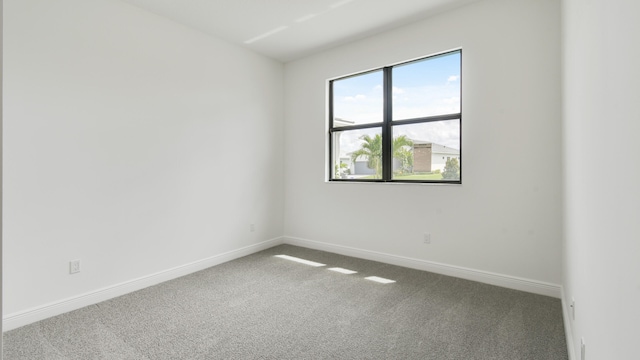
[
  {"x": 252, "y": 227},
  {"x": 74, "y": 266},
  {"x": 582, "y": 349},
  {"x": 427, "y": 238}
]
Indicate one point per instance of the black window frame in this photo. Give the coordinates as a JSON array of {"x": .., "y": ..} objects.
[{"x": 388, "y": 123}]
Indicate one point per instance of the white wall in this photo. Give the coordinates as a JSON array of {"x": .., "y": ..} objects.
[
  {"x": 124, "y": 136},
  {"x": 602, "y": 206},
  {"x": 506, "y": 217}
]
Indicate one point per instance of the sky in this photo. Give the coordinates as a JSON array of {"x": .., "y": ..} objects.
[{"x": 422, "y": 88}]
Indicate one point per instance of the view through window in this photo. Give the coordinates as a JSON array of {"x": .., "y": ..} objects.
[{"x": 401, "y": 123}]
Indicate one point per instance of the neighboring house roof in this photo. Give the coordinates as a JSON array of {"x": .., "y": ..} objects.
[
  {"x": 342, "y": 122},
  {"x": 437, "y": 148},
  {"x": 441, "y": 149}
]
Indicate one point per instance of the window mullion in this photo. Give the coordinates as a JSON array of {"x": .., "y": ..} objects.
[{"x": 387, "y": 158}]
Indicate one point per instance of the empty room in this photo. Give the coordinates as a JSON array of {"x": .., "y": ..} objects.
[{"x": 320, "y": 179}]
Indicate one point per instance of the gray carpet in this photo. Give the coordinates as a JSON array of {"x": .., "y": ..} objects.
[{"x": 264, "y": 307}]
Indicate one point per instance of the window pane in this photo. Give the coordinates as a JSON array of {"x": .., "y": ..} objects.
[
  {"x": 357, "y": 154},
  {"x": 427, "y": 151},
  {"x": 427, "y": 87},
  {"x": 358, "y": 99}
]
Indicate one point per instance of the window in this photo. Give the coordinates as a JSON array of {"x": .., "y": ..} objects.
[{"x": 398, "y": 123}]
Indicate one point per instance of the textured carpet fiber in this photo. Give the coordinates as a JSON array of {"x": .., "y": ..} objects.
[{"x": 265, "y": 307}]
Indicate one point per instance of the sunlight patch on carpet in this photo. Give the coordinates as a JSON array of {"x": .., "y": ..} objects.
[
  {"x": 380, "y": 280},
  {"x": 343, "y": 271},
  {"x": 301, "y": 261}
]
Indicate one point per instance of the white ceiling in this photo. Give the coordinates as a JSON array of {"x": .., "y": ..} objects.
[{"x": 290, "y": 29}]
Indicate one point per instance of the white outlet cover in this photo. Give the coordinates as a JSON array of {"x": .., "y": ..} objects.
[
  {"x": 573, "y": 309},
  {"x": 74, "y": 266},
  {"x": 427, "y": 238}
]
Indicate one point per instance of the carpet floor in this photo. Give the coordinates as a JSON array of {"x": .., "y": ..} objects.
[{"x": 266, "y": 307}]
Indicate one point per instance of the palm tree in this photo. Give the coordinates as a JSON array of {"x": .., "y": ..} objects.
[
  {"x": 403, "y": 151},
  {"x": 372, "y": 148}
]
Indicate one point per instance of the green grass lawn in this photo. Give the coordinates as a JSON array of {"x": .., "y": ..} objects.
[
  {"x": 419, "y": 176},
  {"x": 416, "y": 176}
]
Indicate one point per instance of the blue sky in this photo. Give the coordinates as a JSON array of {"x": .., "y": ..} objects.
[{"x": 421, "y": 88}]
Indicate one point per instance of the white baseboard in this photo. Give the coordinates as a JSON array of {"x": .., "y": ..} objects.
[
  {"x": 568, "y": 330},
  {"x": 18, "y": 319},
  {"x": 511, "y": 282}
]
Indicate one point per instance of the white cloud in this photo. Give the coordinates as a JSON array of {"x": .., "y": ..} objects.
[
  {"x": 355, "y": 98},
  {"x": 397, "y": 90},
  {"x": 453, "y": 78},
  {"x": 377, "y": 87}
]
